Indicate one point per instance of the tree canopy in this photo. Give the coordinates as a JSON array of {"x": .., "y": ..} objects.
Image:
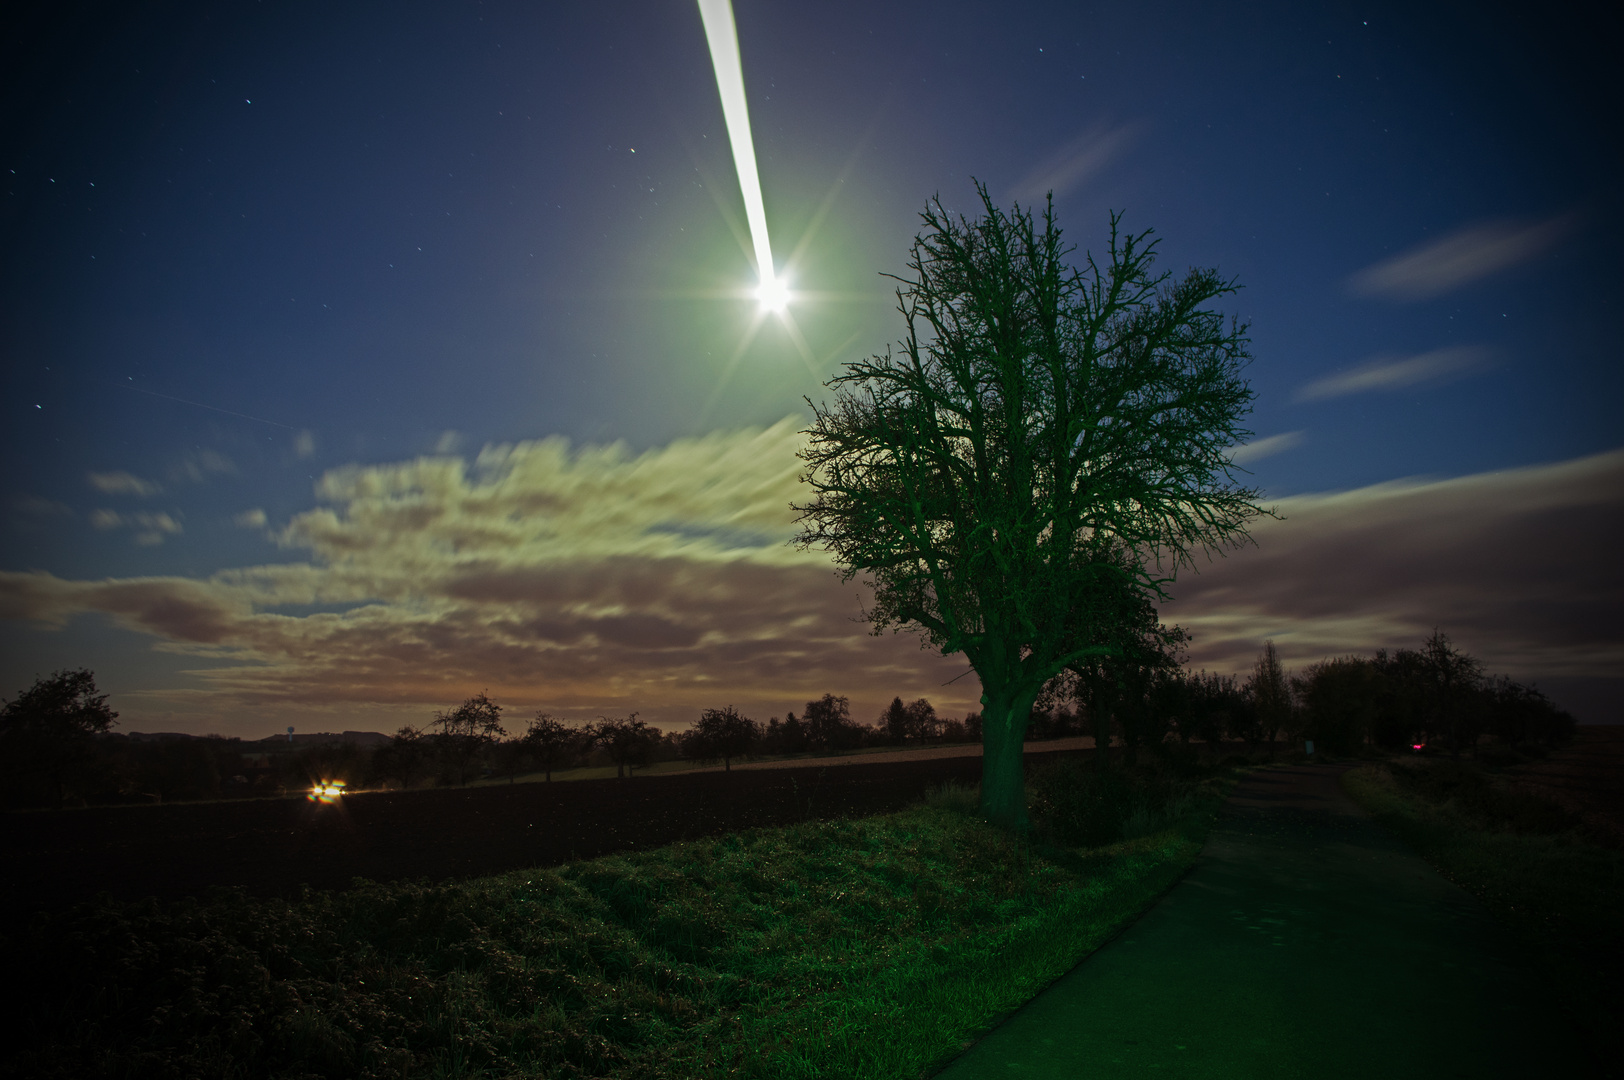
[
  {"x": 46, "y": 731},
  {"x": 1047, "y": 447}
]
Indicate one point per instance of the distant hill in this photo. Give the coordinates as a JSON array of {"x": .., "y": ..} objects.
[{"x": 359, "y": 738}]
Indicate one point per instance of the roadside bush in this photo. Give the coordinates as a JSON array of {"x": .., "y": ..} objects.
[{"x": 1075, "y": 804}]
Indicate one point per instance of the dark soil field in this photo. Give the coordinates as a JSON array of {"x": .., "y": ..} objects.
[
  {"x": 1586, "y": 777},
  {"x": 273, "y": 846}
]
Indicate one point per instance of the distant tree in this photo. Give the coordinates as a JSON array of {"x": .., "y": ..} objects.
[
  {"x": 1520, "y": 715},
  {"x": 1402, "y": 711},
  {"x": 629, "y": 742},
  {"x": 829, "y": 725},
  {"x": 553, "y": 743},
  {"x": 48, "y": 732},
  {"x": 721, "y": 734},
  {"x": 1341, "y": 699},
  {"x": 509, "y": 758},
  {"x": 1048, "y": 438},
  {"x": 1270, "y": 690},
  {"x": 465, "y": 733},
  {"x": 404, "y": 757},
  {"x": 894, "y": 721},
  {"x": 922, "y": 720},
  {"x": 171, "y": 769},
  {"x": 795, "y": 740},
  {"x": 1452, "y": 679},
  {"x": 1213, "y": 698}
]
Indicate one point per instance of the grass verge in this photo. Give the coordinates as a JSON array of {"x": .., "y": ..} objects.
[
  {"x": 1559, "y": 893},
  {"x": 872, "y": 948}
]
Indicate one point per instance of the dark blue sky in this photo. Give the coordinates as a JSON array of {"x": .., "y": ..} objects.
[{"x": 361, "y": 233}]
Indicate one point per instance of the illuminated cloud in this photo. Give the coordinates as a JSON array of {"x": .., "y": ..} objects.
[
  {"x": 122, "y": 483},
  {"x": 304, "y": 445},
  {"x": 1258, "y": 449},
  {"x": 580, "y": 580},
  {"x": 449, "y": 442},
  {"x": 1458, "y": 259},
  {"x": 1078, "y": 161},
  {"x": 595, "y": 580},
  {"x": 1513, "y": 565},
  {"x": 250, "y": 519},
  {"x": 1392, "y": 373}
]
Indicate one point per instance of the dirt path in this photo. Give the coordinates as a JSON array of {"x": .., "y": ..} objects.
[{"x": 1305, "y": 942}]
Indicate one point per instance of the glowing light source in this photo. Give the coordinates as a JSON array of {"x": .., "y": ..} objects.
[
  {"x": 724, "y": 49},
  {"x": 773, "y": 294},
  {"x": 327, "y": 791}
]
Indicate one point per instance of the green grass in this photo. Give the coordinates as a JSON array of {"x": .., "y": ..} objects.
[
  {"x": 878, "y": 947},
  {"x": 1559, "y": 893}
]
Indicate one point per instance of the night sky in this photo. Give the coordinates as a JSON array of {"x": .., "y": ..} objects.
[{"x": 360, "y": 357}]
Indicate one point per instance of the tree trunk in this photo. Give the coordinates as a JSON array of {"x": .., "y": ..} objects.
[{"x": 1003, "y": 771}]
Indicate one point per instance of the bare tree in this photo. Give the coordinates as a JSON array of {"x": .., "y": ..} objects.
[
  {"x": 1452, "y": 678},
  {"x": 1271, "y": 694},
  {"x": 465, "y": 732},
  {"x": 1048, "y": 439},
  {"x": 628, "y": 742},
  {"x": 552, "y": 742}
]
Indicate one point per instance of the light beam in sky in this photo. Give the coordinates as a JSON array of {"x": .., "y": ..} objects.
[{"x": 724, "y": 50}]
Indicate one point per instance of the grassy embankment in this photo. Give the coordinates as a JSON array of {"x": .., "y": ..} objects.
[
  {"x": 1558, "y": 891},
  {"x": 871, "y": 948}
]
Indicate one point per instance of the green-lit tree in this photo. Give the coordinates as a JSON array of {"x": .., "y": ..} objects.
[
  {"x": 1048, "y": 439},
  {"x": 48, "y": 735}
]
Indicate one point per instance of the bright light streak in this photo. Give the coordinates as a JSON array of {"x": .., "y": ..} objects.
[{"x": 724, "y": 50}]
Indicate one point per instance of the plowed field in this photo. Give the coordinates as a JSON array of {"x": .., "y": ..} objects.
[{"x": 272, "y": 846}]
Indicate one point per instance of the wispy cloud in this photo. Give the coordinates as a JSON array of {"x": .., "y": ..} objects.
[
  {"x": 250, "y": 519},
  {"x": 1394, "y": 372},
  {"x": 449, "y": 442},
  {"x": 199, "y": 466},
  {"x": 1458, "y": 259},
  {"x": 1258, "y": 449},
  {"x": 122, "y": 483},
  {"x": 150, "y": 528},
  {"x": 33, "y": 506},
  {"x": 1504, "y": 562},
  {"x": 1084, "y": 157},
  {"x": 304, "y": 444}
]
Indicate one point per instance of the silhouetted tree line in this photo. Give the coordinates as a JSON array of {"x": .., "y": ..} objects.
[
  {"x": 1434, "y": 696},
  {"x": 57, "y": 747}
]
